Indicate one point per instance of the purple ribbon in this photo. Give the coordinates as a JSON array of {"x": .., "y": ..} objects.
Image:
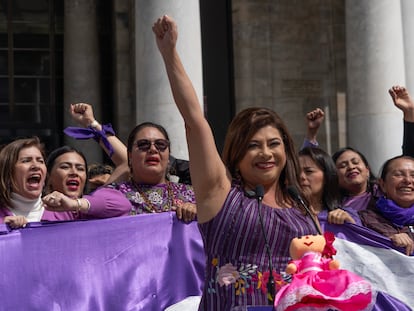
[{"x": 90, "y": 132}]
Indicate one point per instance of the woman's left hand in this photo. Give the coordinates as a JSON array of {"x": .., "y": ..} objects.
[
  {"x": 339, "y": 217},
  {"x": 403, "y": 240},
  {"x": 16, "y": 221}
]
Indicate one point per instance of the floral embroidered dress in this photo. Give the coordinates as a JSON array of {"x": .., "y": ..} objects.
[
  {"x": 129, "y": 198},
  {"x": 237, "y": 267},
  {"x": 155, "y": 198}
]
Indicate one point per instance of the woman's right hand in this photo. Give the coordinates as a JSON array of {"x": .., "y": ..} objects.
[
  {"x": 314, "y": 120},
  {"x": 82, "y": 113},
  {"x": 165, "y": 30},
  {"x": 58, "y": 202}
]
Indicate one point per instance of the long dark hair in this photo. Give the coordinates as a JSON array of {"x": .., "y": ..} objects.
[
  {"x": 56, "y": 153},
  {"x": 372, "y": 180},
  {"x": 331, "y": 196},
  {"x": 136, "y": 129},
  {"x": 139, "y": 127}
]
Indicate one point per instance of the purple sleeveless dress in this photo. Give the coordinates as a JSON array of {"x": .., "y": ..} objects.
[{"x": 237, "y": 266}]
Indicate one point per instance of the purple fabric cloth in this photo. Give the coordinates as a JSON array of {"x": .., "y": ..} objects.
[
  {"x": 90, "y": 132},
  {"x": 399, "y": 216},
  {"x": 47, "y": 215},
  {"x": 361, "y": 202},
  {"x": 358, "y": 234},
  {"x": 107, "y": 202},
  {"x": 323, "y": 215},
  {"x": 145, "y": 262},
  {"x": 309, "y": 143}
]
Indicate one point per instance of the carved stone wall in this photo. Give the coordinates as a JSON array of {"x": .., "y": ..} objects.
[{"x": 290, "y": 56}]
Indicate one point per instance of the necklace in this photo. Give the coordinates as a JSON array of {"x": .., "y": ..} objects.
[{"x": 149, "y": 205}]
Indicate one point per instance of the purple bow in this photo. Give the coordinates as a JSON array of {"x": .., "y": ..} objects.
[{"x": 90, "y": 132}]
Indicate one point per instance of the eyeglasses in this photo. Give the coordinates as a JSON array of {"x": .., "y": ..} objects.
[{"x": 159, "y": 144}]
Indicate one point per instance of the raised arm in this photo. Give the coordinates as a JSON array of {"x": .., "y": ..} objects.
[
  {"x": 83, "y": 114},
  {"x": 314, "y": 120},
  {"x": 404, "y": 102},
  {"x": 209, "y": 177}
]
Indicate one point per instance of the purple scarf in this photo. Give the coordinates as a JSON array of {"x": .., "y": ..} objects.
[
  {"x": 90, "y": 132},
  {"x": 397, "y": 215}
]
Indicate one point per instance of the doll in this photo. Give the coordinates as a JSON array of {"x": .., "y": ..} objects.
[{"x": 318, "y": 283}]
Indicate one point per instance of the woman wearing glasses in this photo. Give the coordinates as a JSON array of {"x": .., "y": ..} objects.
[{"x": 147, "y": 190}]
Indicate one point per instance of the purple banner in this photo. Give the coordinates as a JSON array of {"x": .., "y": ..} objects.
[
  {"x": 144, "y": 262},
  {"x": 149, "y": 262}
]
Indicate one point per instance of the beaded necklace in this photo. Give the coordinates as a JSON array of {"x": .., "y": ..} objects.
[{"x": 149, "y": 206}]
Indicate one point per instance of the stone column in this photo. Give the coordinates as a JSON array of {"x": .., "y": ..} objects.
[
  {"x": 81, "y": 68},
  {"x": 407, "y": 8},
  {"x": 375, "y": 61},
  {"x": 124, "y": 69},
  {"x": 153, "y": 94}
]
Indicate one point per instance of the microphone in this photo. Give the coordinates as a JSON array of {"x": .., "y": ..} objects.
[
  {"x": 294, "y": 193},
  {"x": 259, "y": 191}
]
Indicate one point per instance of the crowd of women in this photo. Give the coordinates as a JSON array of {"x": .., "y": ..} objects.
[
  {"x": 40, "y": 188},
  {"x": 258, "y": 166}
]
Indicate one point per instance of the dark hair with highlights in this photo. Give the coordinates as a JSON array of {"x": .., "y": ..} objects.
[
  {"x": 241, "y": 130},
  {"x": 9, "y": 156},
  {"x": 56, "y": 153},
  {"x": 139, "y": 127},
  {"x": 372, "y": 178},
  {"x": 331, "y": 196}
]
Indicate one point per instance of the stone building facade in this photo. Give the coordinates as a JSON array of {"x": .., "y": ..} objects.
[{"x": 291, "y": 56}]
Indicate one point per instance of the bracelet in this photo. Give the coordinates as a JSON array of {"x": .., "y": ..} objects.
[
  {"x": 88, "y": 208},
  {"x": 79, "y": 205},
  {"x": 94, "y": 124}
]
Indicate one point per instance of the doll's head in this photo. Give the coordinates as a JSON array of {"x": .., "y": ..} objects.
[{"x": 312, "y": 243}]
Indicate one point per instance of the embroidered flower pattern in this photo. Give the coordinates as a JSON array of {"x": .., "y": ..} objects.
[
  {"x": 228, "y": 274},
  {"x": 264, "y": 278},
  {"x": 245, "y": 278},
  {"x": 157, "y": 195}
]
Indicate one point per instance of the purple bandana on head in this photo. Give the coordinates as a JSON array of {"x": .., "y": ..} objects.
[{"x": 397, "y": 215}]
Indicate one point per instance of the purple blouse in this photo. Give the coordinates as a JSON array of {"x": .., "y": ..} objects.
[
  {"x": 237, "y": 267},
  {"x": 360, "y": 202},
  {"x": 47, "y": 215}
]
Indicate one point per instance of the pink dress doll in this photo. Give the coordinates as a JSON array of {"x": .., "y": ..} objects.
[{"x": 317, "y": 283}]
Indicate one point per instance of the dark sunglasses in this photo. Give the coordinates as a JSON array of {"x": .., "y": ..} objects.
[{"x": 145, "y": 144}]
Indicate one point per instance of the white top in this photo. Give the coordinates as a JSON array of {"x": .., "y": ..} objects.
[{"x": 31, "y": 209}]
